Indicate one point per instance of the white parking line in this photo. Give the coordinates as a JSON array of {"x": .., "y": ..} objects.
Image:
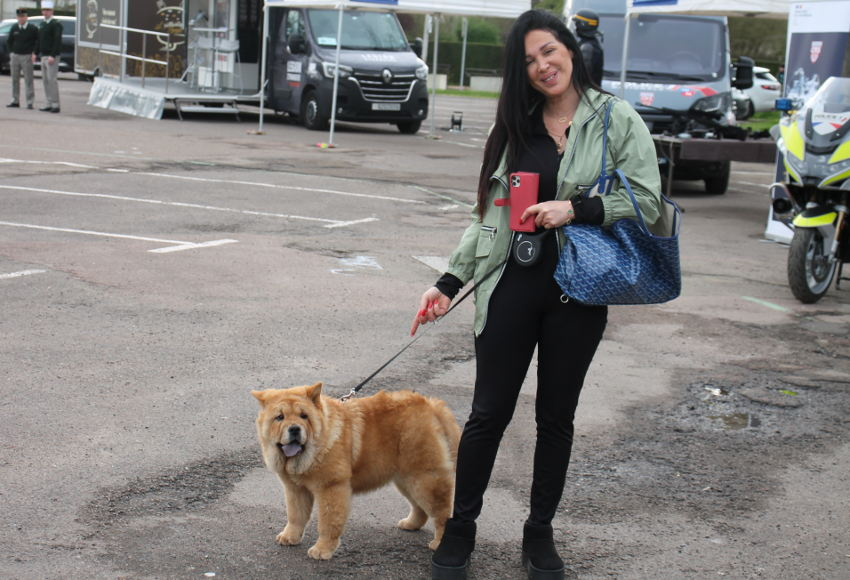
[
  {"x": 277, "y": 186},
  {"x": 329, "y": 222},
  {"x": 66, "y": 163},
  {"x": 180, "y": 245},
  {"x": 21, "y": 273}
]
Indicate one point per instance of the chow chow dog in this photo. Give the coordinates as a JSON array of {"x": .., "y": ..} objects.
[{"x": 324, "y": 450}]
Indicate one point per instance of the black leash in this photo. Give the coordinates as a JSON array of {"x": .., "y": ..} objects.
[{"x": 356, "y": 389}]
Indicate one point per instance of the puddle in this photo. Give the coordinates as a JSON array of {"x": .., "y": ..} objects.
[{"x": 737, "y": 421}]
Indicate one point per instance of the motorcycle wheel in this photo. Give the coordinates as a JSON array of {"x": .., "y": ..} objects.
[{"x": 809, "y": 268}]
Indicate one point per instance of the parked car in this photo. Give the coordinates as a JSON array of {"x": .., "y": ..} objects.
[
  {"x": 760, "y": 97},
  {"x": 5, "y": 27},
  {"x": 69, "y": 30}
]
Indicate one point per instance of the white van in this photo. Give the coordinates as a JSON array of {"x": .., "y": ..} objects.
[{"x": 381, "y": 79}]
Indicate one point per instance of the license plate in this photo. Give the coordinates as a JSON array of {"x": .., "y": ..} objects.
[{"x": 386, "y": 106}]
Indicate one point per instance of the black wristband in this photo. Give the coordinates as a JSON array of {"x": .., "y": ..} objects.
[
  {"x": 588, "y": 211},
  {"x": 449, "y": 284}
]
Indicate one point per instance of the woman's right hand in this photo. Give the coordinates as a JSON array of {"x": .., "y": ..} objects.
[{"x": 432, "y": 305}]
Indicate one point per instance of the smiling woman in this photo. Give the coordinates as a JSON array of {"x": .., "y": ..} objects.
[{"x": 548, "y": 122}]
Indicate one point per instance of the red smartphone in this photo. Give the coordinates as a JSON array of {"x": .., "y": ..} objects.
[{"x": 523, "y": 188}]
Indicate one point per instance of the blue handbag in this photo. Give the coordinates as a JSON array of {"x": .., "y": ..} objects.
[{"x": 623, "y": 263}]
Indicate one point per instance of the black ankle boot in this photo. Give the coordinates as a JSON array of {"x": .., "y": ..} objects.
[
  {"x": 539, "y": 556},
  {"x": 451, "y": 559}
]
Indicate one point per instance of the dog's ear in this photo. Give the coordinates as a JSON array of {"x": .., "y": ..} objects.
[
  {"x": 261, "y": 396},
  {"x": 314, "y": 392}
]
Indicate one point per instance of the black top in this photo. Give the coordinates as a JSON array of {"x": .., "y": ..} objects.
[
  {"x": 50, "y": 38},
  {"x": 22, "y": 40},
  {"x": 540, "y": 156}
]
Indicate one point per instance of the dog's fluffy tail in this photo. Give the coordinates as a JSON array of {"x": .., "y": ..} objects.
[{"x": 448, "y": 424}]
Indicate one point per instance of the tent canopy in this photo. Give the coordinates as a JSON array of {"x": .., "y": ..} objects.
[
  {"x": 489, "y": 8},
  {"x": 760, "y": 8}
]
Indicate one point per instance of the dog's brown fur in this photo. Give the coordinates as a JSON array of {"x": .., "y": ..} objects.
[{"x": 343, "y": 448}]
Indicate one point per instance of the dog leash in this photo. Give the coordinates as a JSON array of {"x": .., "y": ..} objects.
[{"x": 356, "y": 389}]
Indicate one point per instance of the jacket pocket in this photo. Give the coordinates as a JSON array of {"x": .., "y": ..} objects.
[{"x": 486, "y": 239}]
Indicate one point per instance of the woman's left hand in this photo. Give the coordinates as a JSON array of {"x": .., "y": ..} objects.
[{"x": 550, "y": 214}]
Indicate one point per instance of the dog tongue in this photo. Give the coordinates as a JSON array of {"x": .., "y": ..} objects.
[{"x": 291, "y": 449}]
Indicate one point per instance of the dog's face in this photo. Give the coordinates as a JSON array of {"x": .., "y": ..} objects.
[{"x": 289, "y": 425}]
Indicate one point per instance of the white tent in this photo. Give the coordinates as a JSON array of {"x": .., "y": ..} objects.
[
  {"x": 760, "y": 8},
  {"x": 487, "y": 8}
]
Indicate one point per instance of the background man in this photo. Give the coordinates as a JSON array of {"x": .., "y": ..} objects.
[
  {"x": 587, "y": 24},
  {"x": 21, "y": 44},
  {"x": 50, "y": 47}
]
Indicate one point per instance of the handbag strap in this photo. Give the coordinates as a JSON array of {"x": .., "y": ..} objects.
[
  {"x": 602, "y": 181},
  {"x": 675, "y": 227}
]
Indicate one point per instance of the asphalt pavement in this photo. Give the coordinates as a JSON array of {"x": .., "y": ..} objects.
[{"x": 152, "y": 273}]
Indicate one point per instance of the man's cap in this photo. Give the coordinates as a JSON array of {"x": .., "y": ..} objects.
[
  {"x": 47, "y": 5},
  {"x": 20, "y": 11}
]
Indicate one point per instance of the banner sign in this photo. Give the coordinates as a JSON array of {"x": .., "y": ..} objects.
[{"x": 93, "y": 13}]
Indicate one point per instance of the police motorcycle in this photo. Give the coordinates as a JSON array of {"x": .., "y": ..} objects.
[{"x": 815, "y": 145}]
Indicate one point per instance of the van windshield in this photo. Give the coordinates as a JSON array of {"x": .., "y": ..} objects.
[
  {"x": 360, "y": 30},
  {"x": 665, "y": 48}
]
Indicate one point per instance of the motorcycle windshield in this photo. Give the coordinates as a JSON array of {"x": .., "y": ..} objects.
[{"x": 829, "y": 106}]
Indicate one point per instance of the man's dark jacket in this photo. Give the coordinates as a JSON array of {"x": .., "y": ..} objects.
[
  {"x": 591, "y": 52},
  {"x": 22, "y": 40},
  {"x": 50, "y": 38}
]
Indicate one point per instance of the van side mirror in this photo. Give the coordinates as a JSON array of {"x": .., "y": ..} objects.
[
  {"x": 416, "y": 47},
  {"x": 296, "y": 44},
  {"x": 742, "y": 73}
]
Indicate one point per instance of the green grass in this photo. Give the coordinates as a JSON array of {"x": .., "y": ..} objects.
[
  {"x": 468, "y": 93},
  {"x": 761, "y": 121}
]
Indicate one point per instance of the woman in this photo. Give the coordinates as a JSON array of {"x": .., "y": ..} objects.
[{"x": 549, "y": 121}]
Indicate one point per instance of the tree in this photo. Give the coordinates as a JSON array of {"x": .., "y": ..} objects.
[{"x": 554, "y": 6}]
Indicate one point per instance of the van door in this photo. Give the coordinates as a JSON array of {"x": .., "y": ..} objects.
[{"x": 295, "y": 48}]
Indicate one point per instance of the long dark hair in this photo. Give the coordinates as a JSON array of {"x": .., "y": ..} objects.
[{"x": 517, "y": 97}]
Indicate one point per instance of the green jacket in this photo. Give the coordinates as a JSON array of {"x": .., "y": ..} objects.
[
  {"x": 50, "y": 38},
  {"x": 486, "y": 242}
]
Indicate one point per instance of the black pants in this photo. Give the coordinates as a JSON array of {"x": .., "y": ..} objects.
[{"x": 526, "y": 311}]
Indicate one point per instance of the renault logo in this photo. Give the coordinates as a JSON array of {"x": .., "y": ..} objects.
[{"x": 387, "y": 75}]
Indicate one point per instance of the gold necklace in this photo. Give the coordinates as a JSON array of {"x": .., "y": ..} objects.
[
  {"x": 560, "y": 138},
  {"x": 564, "y": 118}
]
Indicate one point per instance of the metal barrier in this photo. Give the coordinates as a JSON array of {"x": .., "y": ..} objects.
[{"x": 168, "y": 36}]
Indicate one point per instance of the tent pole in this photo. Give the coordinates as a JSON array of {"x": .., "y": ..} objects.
[
  {"x": 433, "y": 130},
  {"x": 426, "y": 38},
  {"x": 336, "y": 77},
  {"x": 465, "y": 30},
  {"x": 263, "y": 57},
  {"x": 625, "y": 55}
]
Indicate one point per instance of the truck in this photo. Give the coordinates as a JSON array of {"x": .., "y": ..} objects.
[{"x": 678, "y": 67}]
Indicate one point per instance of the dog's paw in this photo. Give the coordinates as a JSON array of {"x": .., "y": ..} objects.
[
  {"x": 435, "y": 543},
  {"x": 289, "y": 537},
  {"x": 410, "y": 524},
  {"x": 318, "y": 552}
]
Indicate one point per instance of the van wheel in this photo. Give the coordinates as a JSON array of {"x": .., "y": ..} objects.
[
  {"x": 409, "y": 127},
  {"x": 311, "y": 117},
  {"x": 718, "y": 184}
]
